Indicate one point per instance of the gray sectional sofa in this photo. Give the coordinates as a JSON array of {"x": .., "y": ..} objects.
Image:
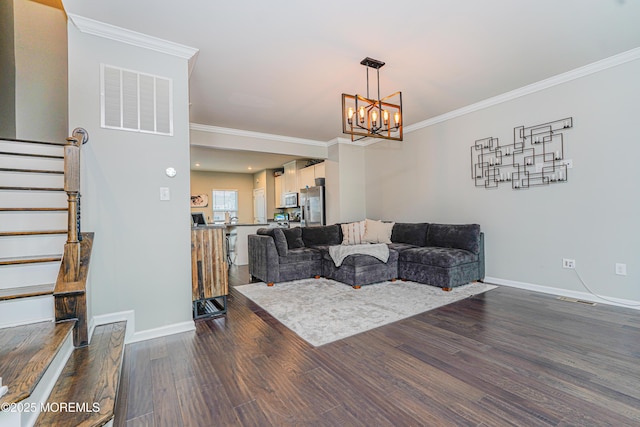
[{"x": 443, "y": 255}]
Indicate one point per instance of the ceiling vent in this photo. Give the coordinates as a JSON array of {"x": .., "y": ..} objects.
[{"x": 135, "y": 101}]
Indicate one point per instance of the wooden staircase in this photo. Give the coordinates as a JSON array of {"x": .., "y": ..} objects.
[
  {"x": 45, "y": 359},
  {"x": 33, "y": 228}
]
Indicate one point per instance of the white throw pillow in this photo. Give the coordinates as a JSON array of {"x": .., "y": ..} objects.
[
  {"x": 352, "y": 233},
  {"x": 377, "y": 231}
]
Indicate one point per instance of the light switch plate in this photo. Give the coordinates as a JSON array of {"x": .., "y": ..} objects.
[{"x": 164, "y": 193}]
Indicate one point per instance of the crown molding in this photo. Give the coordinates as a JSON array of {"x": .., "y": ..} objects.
[
  {"x": 604, "y": 64},
  {"x": 111, "y": 32},
  {"x": 348, "y": 141},
  {"x": 257, "y": 135}
]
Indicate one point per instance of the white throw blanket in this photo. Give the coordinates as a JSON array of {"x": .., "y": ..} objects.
[{"x": 340, "y": 252}]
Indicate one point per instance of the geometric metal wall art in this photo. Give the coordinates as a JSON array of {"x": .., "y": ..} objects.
[{"x": 536, "y": 157}]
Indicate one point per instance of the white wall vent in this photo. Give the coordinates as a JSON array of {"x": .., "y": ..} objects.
[{"x": 135, "y": 101}]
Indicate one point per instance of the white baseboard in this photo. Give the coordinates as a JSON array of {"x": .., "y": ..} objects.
[
  {"x": 132, "y": 335},
  {"x": 162, "y": 331},
  {"x": 129, "y": 316},
  {"x": 619, "y": 302}
]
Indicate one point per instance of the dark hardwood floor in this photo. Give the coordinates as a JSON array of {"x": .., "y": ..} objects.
[{"x": 506, "y": 357}]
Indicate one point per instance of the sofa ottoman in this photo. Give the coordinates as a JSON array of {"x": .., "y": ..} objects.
[
  {"x": 359, "y": 270},
  {"x": 453, "y": 256}
]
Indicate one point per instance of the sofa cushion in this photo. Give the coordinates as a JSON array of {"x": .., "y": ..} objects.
[
  {"x": 294, "y": 237},
  {"x": 353, "y": 233},
  {"x": 377, "y": 231},
  {"x": 361, "y": 260},
  {"x": 439, "y": 257},
  {"x": 401, "y": 246},
  {"x": 412, "y": 233},
  {"x": 278, "y": 239},
  {"x": 323, "y": 235},
  {"x": 300, "y": 255},
  {"x": 466, "y": 236}
]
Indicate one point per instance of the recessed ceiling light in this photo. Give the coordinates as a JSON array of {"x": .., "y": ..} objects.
[
  {"x": 250, "y": 168},
  {"x": 197, "y": 165}
]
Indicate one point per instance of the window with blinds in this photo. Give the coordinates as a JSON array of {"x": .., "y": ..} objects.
[{"x": 135, "y": 101}]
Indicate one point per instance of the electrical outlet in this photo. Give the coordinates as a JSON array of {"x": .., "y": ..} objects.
[
  {"x": 568, "y": 263},
  {"x": 621, "y": 269}
]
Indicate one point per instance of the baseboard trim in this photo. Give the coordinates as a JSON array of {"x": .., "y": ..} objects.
[
  {"x": 162, "y": 331},
  {"x": 129, "y": 316},
  {"x": 619, "y": 302},
  {"x": 131, "y": 334}
]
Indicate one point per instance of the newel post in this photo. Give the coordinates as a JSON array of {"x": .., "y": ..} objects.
[{"x": 72, "y": 188}]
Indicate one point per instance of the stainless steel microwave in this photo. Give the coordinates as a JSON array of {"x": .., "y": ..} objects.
[{"x": 291, "y": 200}]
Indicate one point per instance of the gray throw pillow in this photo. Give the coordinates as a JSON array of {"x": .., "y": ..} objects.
[
  {"x": 294, "y": 237},
  {"x": 278, "y": 238}
]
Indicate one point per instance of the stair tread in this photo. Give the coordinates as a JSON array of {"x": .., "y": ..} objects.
[
  {"x": 31, "y": 233},
  {"x": 90, "y": 376},
  {"x": 30, "y": 259},
  {"x": 25, "y": 354},
  {"x": 29, "y": 141},
  {"x": 31, "y": 170},
  {"x": 41, "y": 156},
  {"x": 32, "y": 188},
  {"x": 26, "y": 291},
  {"x": 33, "y": 209}
]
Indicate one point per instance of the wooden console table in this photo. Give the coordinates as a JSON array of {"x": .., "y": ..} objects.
[{"x": 209, "y": 271}]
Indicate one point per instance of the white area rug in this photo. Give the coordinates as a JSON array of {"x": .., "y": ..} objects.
[{"x": 322, "y": 310}]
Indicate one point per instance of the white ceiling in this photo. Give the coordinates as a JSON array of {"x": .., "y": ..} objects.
[
  {"x": 207, "y": 159},
  {"x": 280, "y": 66}
]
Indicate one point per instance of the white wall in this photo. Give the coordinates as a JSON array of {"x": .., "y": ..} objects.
[
  {"x": 41, "y": 72},
  {"x": 593, "y": 218},
  {"x": 141, "y": 257},
  {"x": 345, "y": 182},
  {"x": 7, "y": 72}
]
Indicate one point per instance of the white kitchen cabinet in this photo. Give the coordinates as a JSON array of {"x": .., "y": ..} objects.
[
  {"x": 306, "y": 177},
  {"x": 291, "y": 176},
  {"x": 278, "y": 182}
]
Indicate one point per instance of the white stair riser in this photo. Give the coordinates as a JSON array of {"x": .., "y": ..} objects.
[
  {"x": 31, "y": 163},
  {"x": 33, "y": 199},
  {"x": 31, "y": 246},
  {"x": 23, "y": 311},
  {"x": 22, "y": 179},
  {"x": 23, "y": 147},
  {"x": 15, "y": 276},
  {"x": 32, "y": 221}
]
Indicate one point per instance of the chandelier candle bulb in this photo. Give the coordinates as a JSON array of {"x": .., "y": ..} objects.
[{"x": 385, "y": 117}]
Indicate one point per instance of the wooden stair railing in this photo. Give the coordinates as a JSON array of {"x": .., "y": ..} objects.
[{"x": 70, "y": 290}]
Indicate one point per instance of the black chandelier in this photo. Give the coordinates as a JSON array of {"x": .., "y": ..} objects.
[{"x": 363, "y": 117}]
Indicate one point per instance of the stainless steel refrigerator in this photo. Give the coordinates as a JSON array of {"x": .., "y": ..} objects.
[{"x": 312, "y": 207}]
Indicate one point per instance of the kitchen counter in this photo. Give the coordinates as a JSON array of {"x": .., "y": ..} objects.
[
  {"x": 200, "y": 227},
  {"x": 239, "y": 242}
]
